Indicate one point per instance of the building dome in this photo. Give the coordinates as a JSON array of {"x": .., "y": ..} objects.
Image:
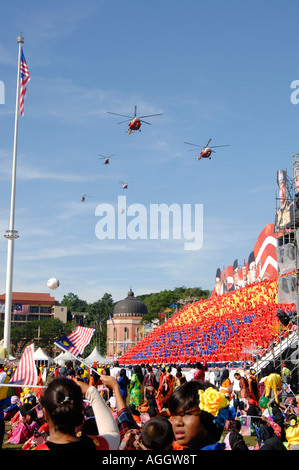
[{"x": 130, "y": 306}]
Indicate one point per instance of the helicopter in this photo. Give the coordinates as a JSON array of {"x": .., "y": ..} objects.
[
  {"x": 105, "y": 158},
  {"x": 207, "y": 151},
  {"x": 83, "y": 197},
  {"x": 125, "y": 184},
  {"x": 135, "y": 122}
]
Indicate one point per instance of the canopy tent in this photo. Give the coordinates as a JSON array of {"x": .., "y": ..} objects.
[
  {"x": 40, "y": 356},
  {"x": 95, "y": 356},
  {"x": 63, "y": 357}
]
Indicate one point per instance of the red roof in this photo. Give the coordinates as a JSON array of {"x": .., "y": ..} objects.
[{"x": 31, "y": 298}]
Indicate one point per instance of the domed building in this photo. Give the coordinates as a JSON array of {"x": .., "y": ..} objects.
[{"x": 125, "y": 329}]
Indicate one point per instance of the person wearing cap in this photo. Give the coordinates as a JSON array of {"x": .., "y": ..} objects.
[{"x": 12, "y": 409}]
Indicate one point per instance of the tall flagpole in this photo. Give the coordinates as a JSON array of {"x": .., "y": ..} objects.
[{"x": 12, "y": 234}]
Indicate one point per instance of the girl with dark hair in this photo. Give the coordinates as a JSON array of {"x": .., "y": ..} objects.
[
  {"x": 25, "y": 427},
  {"x": 226, "y": 385},
  {"x": 123, "y": 383},
  {"x": 198, "y": 413},
  {"x": 63, "y": 409},
  {"x": 136, "y": 387}
]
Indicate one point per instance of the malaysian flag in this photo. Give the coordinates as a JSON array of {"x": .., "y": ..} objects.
[
  {"x": 25, "y": 77},
  {"x": 26, "y": 372},
  {"x": 76, "y": 341},
  {"x": 245, "y": 425},
  {"x": 19, "y": 308}
]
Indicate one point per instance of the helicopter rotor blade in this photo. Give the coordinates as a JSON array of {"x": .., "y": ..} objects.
[
  {"x": 126, "y": 120},
  {"x": 150, "y": 115},
  {"x": 116, "y": 114},
  {"x": 106, "y": 156},
  {"x": 215, "y": 146},
  {"x": 145, "y": 122},
  {"x": 196, "y": 145}
]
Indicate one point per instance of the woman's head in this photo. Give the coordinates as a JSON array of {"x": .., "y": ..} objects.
[
  {"x": 193, "y": 427},
  {"x": 63, "y": 404},
  {"x": 123, "y": 373},
  {"x": 138, "y": 371},
  {"x": 224, "y": 375}
]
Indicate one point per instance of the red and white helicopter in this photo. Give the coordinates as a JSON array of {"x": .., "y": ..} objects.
[
  {"x": 207, "y": 151},
  {"x": 125, "y": 184},
  {"x": 84, "y": 197},
  {"x": 105, "y": 158},
  {"x": 135, "y": 122}
]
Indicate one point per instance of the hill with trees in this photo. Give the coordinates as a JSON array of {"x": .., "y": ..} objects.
[{"x": 44, "y": 332}]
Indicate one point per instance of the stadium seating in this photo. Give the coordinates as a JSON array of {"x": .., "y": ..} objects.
[{"x": 230, "y": 327}]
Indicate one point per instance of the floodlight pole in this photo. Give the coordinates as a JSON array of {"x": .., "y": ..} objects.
[{"x": 12, "y": 234}]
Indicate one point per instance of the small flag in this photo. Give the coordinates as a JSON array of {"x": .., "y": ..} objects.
[
  {"x": 25, "y": 77},
  {"x": 76, "y": 341},
  {"x": 245, "y": 425},
  {"x": 26, "y": 372},
  {"x": 112, "y": 320},
  {"x": 101, "y": 329},
  {"x": 19, "y": 308},
  {"x": 37, "y": 438}
]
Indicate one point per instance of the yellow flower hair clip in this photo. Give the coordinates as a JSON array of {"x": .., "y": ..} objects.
[
  {"x": 211, "y": 400},
  {"x": 216, "y": 403}
]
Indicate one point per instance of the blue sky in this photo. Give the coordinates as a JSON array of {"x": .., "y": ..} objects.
[{"x": 220, "y": 70}]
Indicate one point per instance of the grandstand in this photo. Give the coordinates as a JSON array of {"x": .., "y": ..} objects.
[{"x": 234, "y": 327}]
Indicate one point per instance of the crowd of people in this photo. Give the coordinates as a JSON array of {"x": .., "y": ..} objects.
[
  {"x": 151, "y": 407},
  {"x": 223, "y": 328}
]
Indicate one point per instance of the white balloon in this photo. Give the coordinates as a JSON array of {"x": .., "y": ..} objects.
[{"x": 53, "y": 283}]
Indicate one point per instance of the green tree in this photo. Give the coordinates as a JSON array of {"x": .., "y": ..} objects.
[
  {"x": 98, "y": 314},
  {"x": 49, "y": 331},
  {"x": 42, "y": 333},
  {"x": 74, "y": 304},
  {"x": 159, "y": 301}
]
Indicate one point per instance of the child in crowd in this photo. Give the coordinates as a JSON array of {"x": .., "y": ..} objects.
[{"x": 198, "y": 414}]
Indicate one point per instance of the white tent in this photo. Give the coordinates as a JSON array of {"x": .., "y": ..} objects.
[
  {"x": 95, "y": 356},
  {"x": 40, "y": 355},
  {"x": 63, "y": 357}
]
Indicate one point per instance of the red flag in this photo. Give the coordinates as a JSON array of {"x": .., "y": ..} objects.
[{"x": 26, "y": 372}]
